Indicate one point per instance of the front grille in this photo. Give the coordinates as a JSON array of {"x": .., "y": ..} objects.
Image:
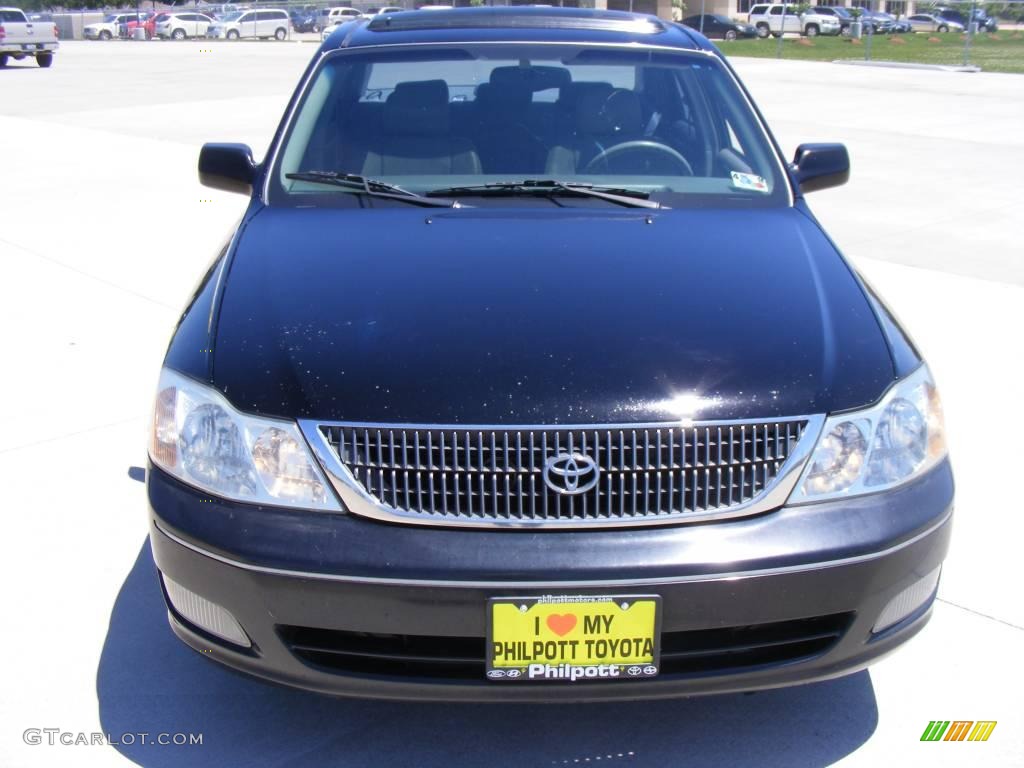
[
  {"x": 643, "y": 473},
  {"x": 693, "y": 652}
]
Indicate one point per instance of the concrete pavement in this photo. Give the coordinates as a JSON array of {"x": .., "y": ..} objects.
[{"x": 103, "y": 232}]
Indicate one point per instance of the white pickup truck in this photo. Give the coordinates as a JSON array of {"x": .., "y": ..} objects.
[{"x": 20, "y": 38}]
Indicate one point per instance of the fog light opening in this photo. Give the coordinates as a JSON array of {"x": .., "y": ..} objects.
[
  {"x": 908, "y": 601},
  {"x": 205, "y": 614}
]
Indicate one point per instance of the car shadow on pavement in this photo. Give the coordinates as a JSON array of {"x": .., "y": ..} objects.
[{"x": 149, "y": 682}]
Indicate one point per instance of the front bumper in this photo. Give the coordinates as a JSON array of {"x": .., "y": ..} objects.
[
  {"x": 20, "y": 50},
  {"x": 318, "y": 594}
]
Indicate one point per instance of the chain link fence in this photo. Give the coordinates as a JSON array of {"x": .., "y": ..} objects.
[
  {"x": 997, "y": 44},
  {"x": 307, "y": 19}
]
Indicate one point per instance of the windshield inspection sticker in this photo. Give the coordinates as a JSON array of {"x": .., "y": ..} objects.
[{"x": 749, "y": 182}]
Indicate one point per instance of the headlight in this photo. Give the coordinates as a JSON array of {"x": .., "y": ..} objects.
[
  {"x": 202, "y": 440},
  {"x": 890, "y": 443}
]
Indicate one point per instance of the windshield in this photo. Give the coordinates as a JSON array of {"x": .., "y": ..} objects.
[
  {"x": 673, "y": 126},
  {"x": 233, "y": 16}
]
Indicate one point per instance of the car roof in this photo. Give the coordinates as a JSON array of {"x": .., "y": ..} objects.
[{"x": 514, "y": 24}]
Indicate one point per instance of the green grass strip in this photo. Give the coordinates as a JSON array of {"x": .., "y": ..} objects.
[{"x": 1002, "y": 52}]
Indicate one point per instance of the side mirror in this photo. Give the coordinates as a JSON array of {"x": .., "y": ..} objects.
[
  {"x": 820, "y": 166},
  {"x": 227, "y": 166}
]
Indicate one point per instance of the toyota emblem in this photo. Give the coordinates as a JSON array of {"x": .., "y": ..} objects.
[{"x": 570, "y": 473}]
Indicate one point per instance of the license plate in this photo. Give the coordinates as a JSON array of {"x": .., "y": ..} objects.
[{"x": 573, "y": 638}]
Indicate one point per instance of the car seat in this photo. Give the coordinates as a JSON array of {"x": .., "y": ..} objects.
[{"x": 416, "y": 137}]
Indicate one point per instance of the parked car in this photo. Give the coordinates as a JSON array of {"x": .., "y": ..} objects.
[
  {"x": 577, "y": 436},
  {"x": 150, "y": 24},
  {"x": 929, "y": 22},
  {"x": 894, "y": 25},
  {"x": 217, "y": 10},
  {"x": 839, "y": 13},
  {"x": 303, "y": 20},
  {"x": 985, "y": 22},
  {"x": 127, "y": 27},
  {"x": 876, "y": 22},
  {"x": 330, "y": 30},
  {"x": 718, "y": 26},
  {"x": 768, "y": 18},
  {"x": 262, "y": 24},
  {"x": 21, "y": 38},
  {"x": 180, "y": 26},
  {"x": 328, "y": 17},
  {"x": 385, "y": 10},
  {"x": 109, "y": 27}
]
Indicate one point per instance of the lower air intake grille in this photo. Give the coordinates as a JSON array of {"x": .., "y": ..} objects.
[{"x": 693, "y": 652}]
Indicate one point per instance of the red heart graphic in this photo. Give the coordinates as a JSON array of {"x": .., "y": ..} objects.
[{"x": 562, "y": 623}]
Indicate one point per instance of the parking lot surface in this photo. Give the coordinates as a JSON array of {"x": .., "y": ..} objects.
[{"x": 104, "y": 230}]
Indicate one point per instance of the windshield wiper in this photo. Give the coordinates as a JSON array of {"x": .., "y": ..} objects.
[
  {"x": 631, "y": 198},
  {"x": 368, "y": 186}
]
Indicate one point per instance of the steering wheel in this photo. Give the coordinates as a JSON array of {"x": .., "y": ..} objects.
[{"x": 643, "y": 145}]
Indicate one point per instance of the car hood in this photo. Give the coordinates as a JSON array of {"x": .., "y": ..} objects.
[{"x": 534, "y": 316}]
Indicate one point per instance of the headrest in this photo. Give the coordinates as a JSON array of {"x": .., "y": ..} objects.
[
  {"x": 569, "y": 95},
  {"x": 503, "y": 103},
  {"x": 418, "y": 109},
  {"x": 605, "y": 113}
]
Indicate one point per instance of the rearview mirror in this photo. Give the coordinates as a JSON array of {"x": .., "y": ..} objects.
[
  {"x": 820, "y": 166},
  {"x": 227, "y": 166}
]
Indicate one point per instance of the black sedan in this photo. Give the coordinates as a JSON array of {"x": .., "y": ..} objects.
[
  {"x": 719, "y": 27},
  {"x": 303, "y": 20},
  {"x": 529, "y": 374}
]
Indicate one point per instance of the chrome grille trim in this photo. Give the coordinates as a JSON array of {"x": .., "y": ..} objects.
[{"x": 490, "y": 476}]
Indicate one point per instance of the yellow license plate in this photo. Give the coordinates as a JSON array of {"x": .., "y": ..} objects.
[{"x": 570, "y": 638}]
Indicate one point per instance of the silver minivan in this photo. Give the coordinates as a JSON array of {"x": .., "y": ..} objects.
[{"x": 263, "y": 24}]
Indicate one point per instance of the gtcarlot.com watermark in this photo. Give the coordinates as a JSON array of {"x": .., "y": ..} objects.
[{"x": 56, "y": 736}]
